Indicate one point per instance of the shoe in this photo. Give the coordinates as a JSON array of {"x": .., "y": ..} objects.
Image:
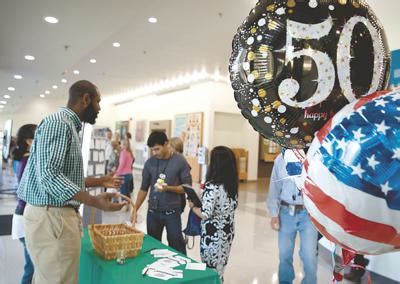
[{"x": 355, "y": 275}]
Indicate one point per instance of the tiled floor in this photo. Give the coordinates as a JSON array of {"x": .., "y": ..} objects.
[{"x": 254, "y": 255}]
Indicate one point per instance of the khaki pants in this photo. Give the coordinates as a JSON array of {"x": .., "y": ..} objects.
[{"x": 53, "y": 240}]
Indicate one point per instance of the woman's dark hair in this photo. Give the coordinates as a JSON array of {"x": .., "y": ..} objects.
[
  {"x": 26, "y": 131},
  {"x": 222, "y": 170}
]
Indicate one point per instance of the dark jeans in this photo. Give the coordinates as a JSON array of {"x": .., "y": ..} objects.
[
  {"x": 28, "y": 268},
  {"x": 171, "y": 219},
  {"x": 127, "y": 187}
]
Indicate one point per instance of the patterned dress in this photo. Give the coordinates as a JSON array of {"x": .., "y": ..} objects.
[{"x": 217, "y": 229}]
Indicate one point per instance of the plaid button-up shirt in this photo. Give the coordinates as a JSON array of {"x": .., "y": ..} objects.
[{"x": 54, "y": 173}]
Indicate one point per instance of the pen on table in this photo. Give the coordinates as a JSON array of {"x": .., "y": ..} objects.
[
  {"x": 149, "y": 250},
  {"x": 145, "y": 271}
]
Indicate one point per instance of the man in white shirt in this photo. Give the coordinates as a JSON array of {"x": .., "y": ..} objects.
[
  {"x": 108, "y": 149},
  {"x": 288, "y": 216}
]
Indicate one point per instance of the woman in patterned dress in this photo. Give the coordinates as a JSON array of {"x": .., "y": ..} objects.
[{"x": 219, "y": 202}]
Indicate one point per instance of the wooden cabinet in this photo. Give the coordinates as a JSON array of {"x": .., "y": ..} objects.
[{"x": 242, "y": 158}]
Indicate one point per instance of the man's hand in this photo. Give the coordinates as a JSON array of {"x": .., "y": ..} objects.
[
  {"x": 103, "y": 202},
  {"x": 275, "y": 224},
  {"x": 111, "y": 181},
  {"x": 191, "y": 205},
  {"x": 161, "y": 187}
]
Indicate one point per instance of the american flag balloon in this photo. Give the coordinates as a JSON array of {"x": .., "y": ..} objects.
[{"x": 352, "y": 188}]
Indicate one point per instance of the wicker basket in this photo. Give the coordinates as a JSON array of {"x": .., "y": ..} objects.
[{"x": 112, "y": 240}]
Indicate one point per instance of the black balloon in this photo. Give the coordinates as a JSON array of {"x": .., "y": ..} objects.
[{"x": 294, "y": 64}]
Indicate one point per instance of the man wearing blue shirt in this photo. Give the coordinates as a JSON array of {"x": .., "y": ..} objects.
[{"x": 288, "y": 216}]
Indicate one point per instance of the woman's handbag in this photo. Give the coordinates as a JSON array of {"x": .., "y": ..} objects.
[{"x": 193, "y": 228}]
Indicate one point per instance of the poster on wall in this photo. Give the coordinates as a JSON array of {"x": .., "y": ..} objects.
[
  {"x": 179, "y": 124},
  {"x": 122, "y": 127},
  {"x": 140, "y": 144},
  {"x": 189, "y": 127},
  {"x": 140, "y": 131},
  {"x": 161, "y": 125},
  {"x": 395, "y": 69}
]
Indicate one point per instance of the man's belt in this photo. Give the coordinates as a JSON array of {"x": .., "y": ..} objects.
[
  {"x": 297, "y": 207},
  {"x": 65, "y": 206}
]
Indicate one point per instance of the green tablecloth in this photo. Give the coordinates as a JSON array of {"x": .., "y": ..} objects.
[{"x": 94, "y": 269}]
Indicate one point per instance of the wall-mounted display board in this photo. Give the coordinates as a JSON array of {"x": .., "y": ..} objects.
[{"x": 189, "y": 127}]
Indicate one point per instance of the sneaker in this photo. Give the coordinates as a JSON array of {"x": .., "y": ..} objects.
[{"x": 355, "y": 275}]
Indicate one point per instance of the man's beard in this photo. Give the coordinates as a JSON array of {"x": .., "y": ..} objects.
[{"x": 90, "y": 115}]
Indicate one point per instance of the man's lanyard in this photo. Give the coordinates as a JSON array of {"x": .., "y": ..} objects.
[{"x": 165, "y": 167}]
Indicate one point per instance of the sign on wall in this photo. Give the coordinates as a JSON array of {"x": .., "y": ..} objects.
[{"x": 395, "y": 69}]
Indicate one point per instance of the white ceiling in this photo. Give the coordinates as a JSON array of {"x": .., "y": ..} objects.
[{"x": 190, "y": 35}]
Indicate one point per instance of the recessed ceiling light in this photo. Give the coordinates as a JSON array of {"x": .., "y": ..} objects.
[
  {"x": 54, "y": 87},
  {"x": 64, "y": 81},
  {"x": 18, "y": 77},
  {"x": 76, "y": 72},
  {"x": 12, "y": 89},
  {"x": 29, "y": 57},
  {"x": 1, "y": 106},
  {"x": 6, "y": 96},
  {"x": 42, "y": 96},
  {"x": 153, "y": 20},
  {"x": 3, "y": 102},
  {"x": 116, "y": 44},
  {"x": 51, "y": 20},
  {"x": 92, "y": 60},
  {"x": 47, "y": 92}
]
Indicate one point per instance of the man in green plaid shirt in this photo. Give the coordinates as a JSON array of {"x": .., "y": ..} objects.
[{"x": 53, "y": 186}]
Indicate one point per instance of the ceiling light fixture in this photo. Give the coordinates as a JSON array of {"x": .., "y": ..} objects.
[
  {"x": 76, "y": 72},
  {"x": 92, "y": 60},
  {"x": 54, "y": 87},
  {"x": 18, "y": 77},
  {"x": 42, "y": 96},
  {"x": 11, "y": 89},
  {"x": 1, "y": 106},
  {"x": 153, "y": 20},
  {"x": 64, "y": 80},
  {"x": 51, "y": 20},
  {"x": 47, "y": 92},
  {"x": 6, "y": 96},
  {"x": 29, "y": 57},
  {"x": 3, "y": 102},
  {"x": 116, "y": 44}
]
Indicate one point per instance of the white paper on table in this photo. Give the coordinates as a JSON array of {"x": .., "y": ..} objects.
[
  {"x": 180, "y": 259},
  {"x": 195, "y": 266},
  {"x": 159, "y": 268},
  {"x": 165, "y": 262},
  {"x": 162, "y": 253},
  {"x": 158, "y": 275}
]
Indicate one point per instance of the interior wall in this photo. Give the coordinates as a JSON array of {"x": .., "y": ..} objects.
[
  {"x": 233, "y": 130},
  {"x": 32, "y": 112}
]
